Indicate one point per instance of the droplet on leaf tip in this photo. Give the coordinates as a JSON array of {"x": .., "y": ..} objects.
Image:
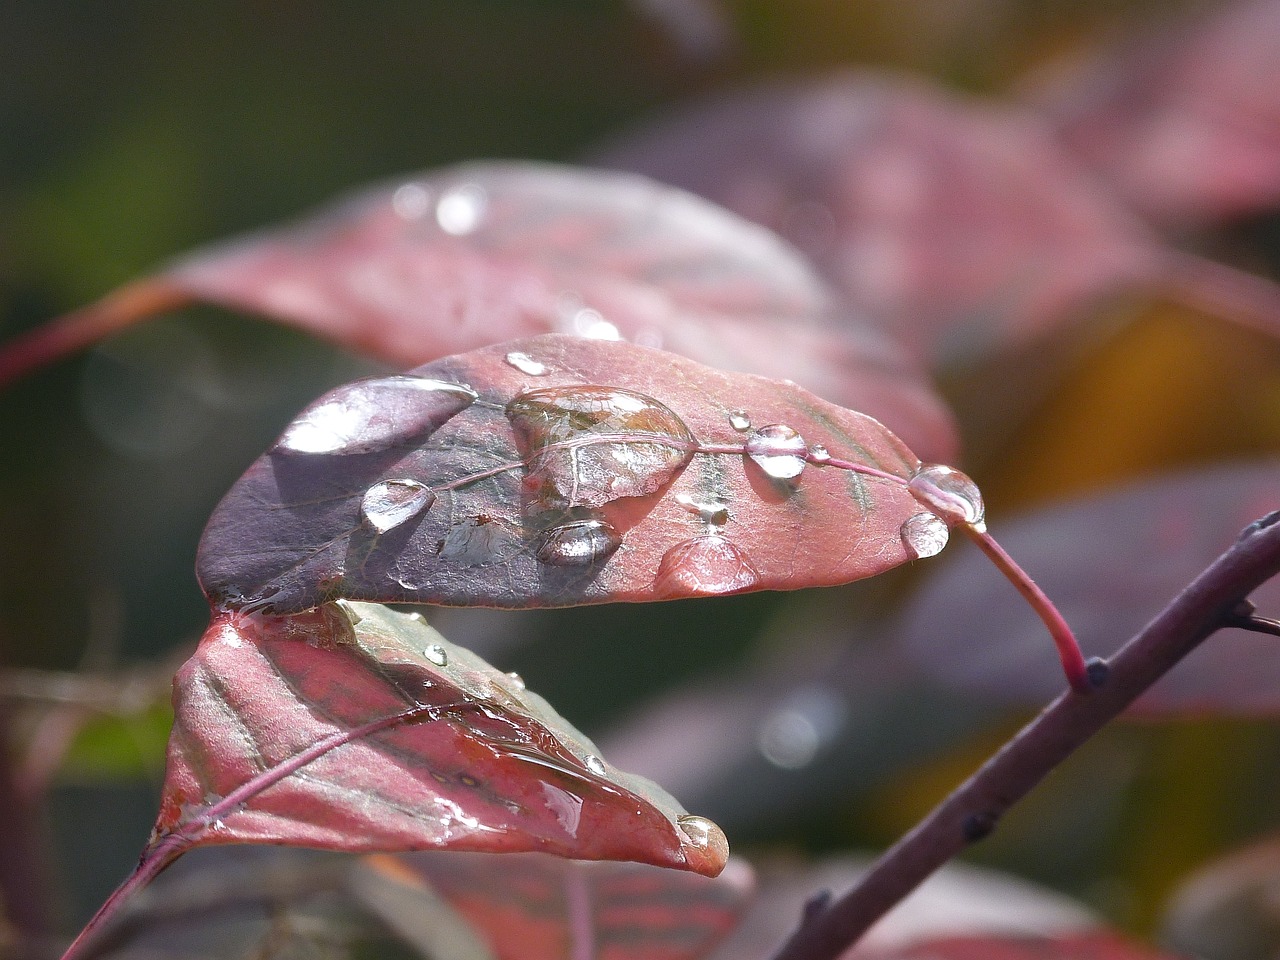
[
  {"x": 437, "y": 654},
  {"x": 706, "y": 848},
  {"x": 579, "y": 543},
  {"x": 949, "y": 493},
  {"x": 925, "y": 534},
  {"x": 526, "y": 364},
  {"x": 390, "y": 503},
  {"x": 461, "y": 209},
  {"x": 778, "y": 450}
]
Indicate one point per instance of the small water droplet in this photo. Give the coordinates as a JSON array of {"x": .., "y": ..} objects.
[
  {"x": 417, "y": 617},
  {"x": 778, "y": 450},
  {"x": 739, "y": 420},
  {"x": 390, "y": 503},
  {"x": 712, "y": 512},
  {"x": 526, "y": 364},
  {"x": 706, "y": 848},
  {"x": 374, "y": 414},
  {"x": 588, "y": 445},
  {"x": 411, "y": 201},
  {"x": 437, "y": 654},
  {"x": 819, "y": 454},
  {"x": 708, "y": 564},
  {"x": 925, "y": 534},
  {"x": 948, "y": 493},
  {"x": 579, "y": 543},
  {"x": 516, "y": 681},
  {"x": 594, "y": 764},
  {"x": 461, "y": 209}
]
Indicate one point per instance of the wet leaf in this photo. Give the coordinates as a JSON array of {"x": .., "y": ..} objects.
[
  {"x": 1182, "y": 122},
  {"x": 962, "y": 226},
  {"x": 382, "y": 735},
  {"x": 612, "y": 472},
  {"x": 477, "y": 254},
  {"x": 1147, "y": 542},
  {"x": 534, "y": 907}
]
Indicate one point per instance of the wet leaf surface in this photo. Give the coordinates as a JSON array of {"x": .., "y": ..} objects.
[
  {"x": 481, "y": 253},
  {"x": 961, "y": 226},
  {"x": 1184, "y": 123},
  {"x": 1147, "y": 541},
  {"x": 381, "y": 735},
  {"x": 613, "y": 472},
  {"x": 534, "y": 907}
]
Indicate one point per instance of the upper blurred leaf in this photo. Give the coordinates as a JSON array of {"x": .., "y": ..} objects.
[
  {"x": 1185, "y": 123},
  {"x": 963, "y": 227},
  {"x": 1145, "y": 543},
  {"x": 558, "y": 471},
  {"x": 534, "y": 907},
  {"x": 487, "y": 252},
  {"x": 308, "y": 730}
]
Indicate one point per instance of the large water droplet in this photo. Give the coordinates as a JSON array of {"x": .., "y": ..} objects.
[
  {"x": 587, "y": 445},
  {"x": 778, "y": 450},
  {"x": 739, "y": 420},
  {"x": 391, "y": 502},
  {"x": 709, "y": 564},
  {"x": 437, "y": 654},
  {"x": 579, "y": 543},
  {"x": 461, "y": 209},
  {"x": 411, "y": 201},
  {"x": 714, "y": 513},
  {"x": 925, "y": 534},
  {"x": 706, "y": 848},
  {"x": 948, "y": 493},
  {"x": 526, "y": 364},
  {"x": 479, "y": 541},
  {"x": 374, "y": 414}
]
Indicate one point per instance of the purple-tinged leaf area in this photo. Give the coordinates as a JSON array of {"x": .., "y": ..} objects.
[
  {"x": 584, "y": 471},
  {"x": 1184, "y": 124},
  {"x": 963, "y": 227},
  {"x": 355, "y": 728},
  {"x": 969, "y": 629},
  {"x": 535, "y": 907},
  {"x": 480, "y": 253}
]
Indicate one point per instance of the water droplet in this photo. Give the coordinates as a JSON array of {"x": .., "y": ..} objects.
[
  {"x": 374, "y": 414},
  {"x": 712, "y": 512},
  {"x": 819, "y": 454},
  {"x": 461, "y": 209},
  {"x": 708, "y": 564},
  {"x": 391, "y": 502},
  {"x": 411, "y": 201},
  {"x": 778, "y": 450},
  {"x": 739, "y": 420},
  {"x": 925, "y": 534},
  {"x": 579, "y": 543},
  {"x": 948, "y": 493},
  {"x": 478, "y": 541},
  {"x": 526, "y": 364},
  {"x": 587, "y": 445},
  {"x": 417, "y": 617},
  {"x": 516, "y": 681},
  {"x": 437, "y": 654},
  {"x": 594, "y": 764},
  {"x": 706, "y": 848},
  {"x": 592, "y": 325}
]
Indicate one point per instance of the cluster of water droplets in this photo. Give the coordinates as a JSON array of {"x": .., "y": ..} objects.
[{"x": 950, "y": 499}]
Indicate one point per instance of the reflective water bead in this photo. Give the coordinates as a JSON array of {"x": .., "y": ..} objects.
[
  {"x": 708, "y": 564},
  {"x": 437, "y": 655},
  {"x": 778, "y": 450},
  {"x": 578, "y": 543},
  {"x": 706, "y": 848},
  {"x": 594, "y": 764},
  {"x": 925, "y": 535},
  {"x": 739, "y": 420},
  {"x": 390, "y": 503},
  {"x": 948, "y": 493},
  {"x": 461, "y": 208},
  {"x": 516, "y": 681},
  {"x": 819, "y": 454},
  {"x": 526, "y": 364}
]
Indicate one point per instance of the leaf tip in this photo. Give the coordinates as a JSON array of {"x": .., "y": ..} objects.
[{"x": 705, "y": 847}]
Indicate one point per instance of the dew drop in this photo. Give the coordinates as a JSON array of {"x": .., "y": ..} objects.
[
  {"x": 948, "y": 493},
  {"x": 709, "y": 564},
  {"x": 778, "y": 450},
  {"x": 925, "y": 534},
  {"x": 390, "y": 503},
  {"x": 819, "y": 453},
  {"x": 739, "y": 420},
  {"x": 437, "y": 654},
  {"x": 461, "y": 208},
  {"x": 579, "y": 543},
  {"x": 586, "y": 446},
  {"x": 526, "y": 364},
  {"x": 706, "y": 848},
  {"x": 411, "y": 201},
  {"x": 374, "y": 414},
  {"x": 516, "y": 681},
  {"x": 594, "y": 764},
  {"x": 712, "y": 512}
]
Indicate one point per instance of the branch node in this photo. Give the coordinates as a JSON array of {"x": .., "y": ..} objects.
[
  {"x": 1097, "y": 670},
  {"x": 817, "y": 905},
  {"x": 1260, "y": 524},
  {"x": 979, "y": 825}
]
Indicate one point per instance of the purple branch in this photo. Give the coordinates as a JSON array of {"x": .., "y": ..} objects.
[{"x": 972, "y": 811}]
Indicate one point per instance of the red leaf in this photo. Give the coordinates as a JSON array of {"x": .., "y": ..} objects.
[
  {"x": 533, "y": 907},
  {"x": 1185, "y": 124},
  {"x": 487, "y": 252},
  {"x": 381, "y": 735},
  {"x": 959, "y": 225},
  {"x": 1147, "y": 542},
  {"x": 559, "y": 471},
  {"x": 1088, "y": 946}
]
